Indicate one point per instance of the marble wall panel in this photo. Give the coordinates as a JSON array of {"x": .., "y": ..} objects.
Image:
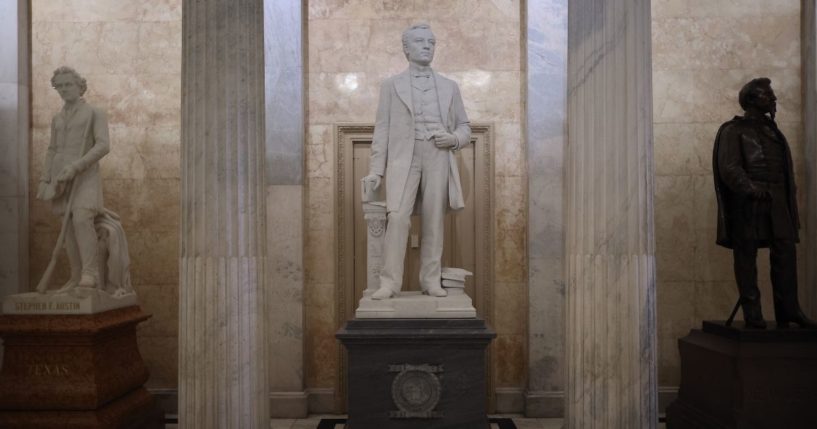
[
  {"x": 677, "y": 298},
  {"x": 285, "y": 291},
  {"x": 483, "y": 11},
  {"x": 703, "y": 52},
  {"x": 730, "y": 8},
  {"x": 510, "y": 297},
  {"x": 674, "y": 226},
  {"x": 352, "y": 46},
  {"x": 717, "y": 42},
  {"x": 284, "y": 92},
  {"x": 130, "y": 54}
]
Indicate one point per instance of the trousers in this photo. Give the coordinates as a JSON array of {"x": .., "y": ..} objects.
[
  {"x": 783, "y": 261},
  {"x": 428, "y": 178},
  {"x": 81, "y": 243}
]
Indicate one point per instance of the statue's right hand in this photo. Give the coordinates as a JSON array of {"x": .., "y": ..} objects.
[
  {"x": 372, "y": 181},
  {"x": 760, "y": 195}
]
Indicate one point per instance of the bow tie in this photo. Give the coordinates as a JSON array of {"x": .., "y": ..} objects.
[{"x": 423, "y": 75}]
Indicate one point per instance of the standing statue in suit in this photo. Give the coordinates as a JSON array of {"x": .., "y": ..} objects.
[
  {"x": 421, "y": 121},
  {"x": 757, "y": 204},
  {"x": 70, "y": 179}
]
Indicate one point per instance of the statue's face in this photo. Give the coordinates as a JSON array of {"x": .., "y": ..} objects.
[
  {"x": 67, "y": 87},
  {"x": 766, "y": 101},
  {"x": 420, "y": 46}
]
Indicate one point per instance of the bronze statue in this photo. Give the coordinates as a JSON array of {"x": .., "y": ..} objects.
[{"x": 757, "y": 206}]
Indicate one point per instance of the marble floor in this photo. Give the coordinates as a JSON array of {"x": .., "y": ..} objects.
[{"x": 311, "y": 422}]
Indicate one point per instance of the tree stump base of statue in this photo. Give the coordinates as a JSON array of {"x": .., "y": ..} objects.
[
  {"x": 74, "y": 371},
  {"x": 732, "y": 377},
  {"x": 416, "y": 373}
]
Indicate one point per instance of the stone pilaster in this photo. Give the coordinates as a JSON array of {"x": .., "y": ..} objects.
[
  {"x": 610, "y": 250},
  {"x": 223, "y": 377},
  {"x": 546, "y": 140},
  {"x": 808, "y": 291},
  {"x": 15, "y": 125},
  {"x": 283, "y": 58}
]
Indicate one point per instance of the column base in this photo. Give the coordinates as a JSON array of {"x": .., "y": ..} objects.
[
  {"x": 733, "y": 377},
  {"x": 416, "y": 373},
  {"x": 289, "y": 405}
]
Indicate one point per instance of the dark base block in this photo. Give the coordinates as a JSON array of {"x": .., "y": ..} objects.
[
  {"x": 416, "y": 373},
  {"x": 136, "y": 410},
  {"x": 733, "y": 377}
]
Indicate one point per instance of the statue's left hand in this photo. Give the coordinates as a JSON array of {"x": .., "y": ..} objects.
[
  {"x": 445, "y": 140},
  {"x": 67, "y": 173}
]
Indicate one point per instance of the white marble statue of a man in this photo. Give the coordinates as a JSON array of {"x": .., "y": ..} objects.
[
  {"x": 70, "y": 179},
  {"x": 421, "y": 121}
]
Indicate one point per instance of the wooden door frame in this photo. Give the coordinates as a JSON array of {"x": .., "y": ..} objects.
[{"x": 346, "y": 136}]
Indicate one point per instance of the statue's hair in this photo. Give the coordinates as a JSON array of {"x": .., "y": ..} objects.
[
  {"x": 419, "y": 26},
  {"x": 79, "y": 80},
  {"x": 748, "y": 94}
]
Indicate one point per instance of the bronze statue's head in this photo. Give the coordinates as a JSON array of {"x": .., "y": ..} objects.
[
  {"x": 418, "y": 44},
  {"x": 757, "y": 95}
]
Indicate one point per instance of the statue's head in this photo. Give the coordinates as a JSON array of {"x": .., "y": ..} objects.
[
  {"x": 758, "y": 96},
  {"x": 418, "y": 44},
  {"x": 68, "y": 83}
]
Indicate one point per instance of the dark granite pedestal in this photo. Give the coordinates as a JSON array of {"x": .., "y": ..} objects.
[
  {"x": 416, "y": 373},
  {"x": 733, "y": 377}
]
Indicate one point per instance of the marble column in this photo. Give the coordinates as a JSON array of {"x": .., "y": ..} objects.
[
  {"x": 223, "y": 376},
  {"x": 15, "y": 126},
  {"x": 808, "y": 291},
  {"x": 285, "y": 171},
  {"x": 610, "y": 250},
  {"x": 546, "y": 139}
]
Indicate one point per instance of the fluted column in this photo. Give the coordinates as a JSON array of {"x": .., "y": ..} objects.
[
  {"x": 611, "y": 340},
  {"x": 223, "y": 378}
]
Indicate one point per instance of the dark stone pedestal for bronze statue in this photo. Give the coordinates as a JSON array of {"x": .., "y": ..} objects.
[
  {"x": 416, "y": 373},
  {"x": 745, "y": 378},
  {"x": 75, "y": 371}
]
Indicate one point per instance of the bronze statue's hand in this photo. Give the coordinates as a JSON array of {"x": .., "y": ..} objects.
[
  {"x": 372, "y": 181},
  {"x": 445, "y": 140},
  {"x": 761, "y": 195},
  {"x": 67, "y": 173}
]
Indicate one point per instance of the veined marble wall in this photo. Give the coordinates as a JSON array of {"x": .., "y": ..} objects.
[
  {"x": 352, "y": 46},
  {"x": 703, "y": 52},
  {"x": 130, "y": 54}
]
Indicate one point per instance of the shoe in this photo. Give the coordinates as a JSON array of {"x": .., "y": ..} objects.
[
  {"x": 800, "y": 319},
  {"x": 436, "y": 292},
  {"x": 383, "y": 293},
  {"x": 87, "y": 280},
  {"x": 753, "y": 316}
]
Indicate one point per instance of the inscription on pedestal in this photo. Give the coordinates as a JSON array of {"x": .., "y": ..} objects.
[
  {"x": 46, "y": 306},
  {"x": 416, "y": 391},
  {"x": 50, "y": 370}
]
